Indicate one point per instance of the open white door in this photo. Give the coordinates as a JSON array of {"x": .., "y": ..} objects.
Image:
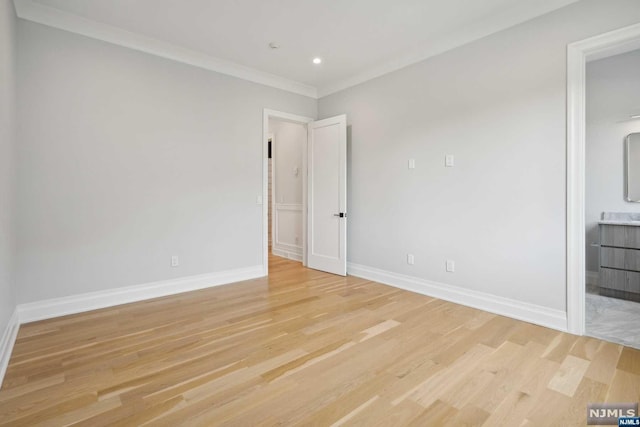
[{"x": 327, "y": 195}]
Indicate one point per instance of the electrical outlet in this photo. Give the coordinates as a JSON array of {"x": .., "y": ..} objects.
[
  {"x": 448, "y": 160},
  {"x": 450, "y": 266},
  {"x": 410, "y": 259},
  {"x": 258, "y": 200},
  {"x": 175, "y": 261}
]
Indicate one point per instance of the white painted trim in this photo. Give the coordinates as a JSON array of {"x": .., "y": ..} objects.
[
  {"x": 39, "y": 310},
  {"x": 56, "y": 307},
  {"x": 289, "y": 206},
  {"x": 544, "y": 316},
  {"x": 7, "y": 341},
  {"x": 278, "y": 245},
  {"x": 592, "y": 278},
  {"x": 287, "y": 248},
  {"x": 56, "y": 18},
  {"x": 294, "y": 255},
  {"x": 578, "y": 53},
  {"x": 266, "y": 114},
  {"x": 495, "y": 22}
]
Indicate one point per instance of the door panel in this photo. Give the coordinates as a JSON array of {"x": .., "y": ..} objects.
[{"x": 327, "y": 192}]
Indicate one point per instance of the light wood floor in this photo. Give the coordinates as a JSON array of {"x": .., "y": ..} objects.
[{"x": 307, "y": 348}]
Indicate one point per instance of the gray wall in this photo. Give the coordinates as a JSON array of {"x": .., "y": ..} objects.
[
  {"x": 126, "y": 159},
  {"x": 497, "y": 104},
  {"x": 7, "y": 159},
  {"x": 613, "y": 94}
]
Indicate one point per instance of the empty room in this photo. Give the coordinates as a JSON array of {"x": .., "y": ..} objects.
[{"x": 319, "y": 212}]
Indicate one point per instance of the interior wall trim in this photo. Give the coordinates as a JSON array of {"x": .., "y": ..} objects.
[
  {"x": 46, "y": 309},
  {"x": 295, "y": 255},
  {"x": 56, "y": 307},
  {"x": 52, "y": 17},
  {"x": 539, "y": 315},
  {"x": 7, "y": 341},
  {"x": 494, "y": 23},
  {"x": 578, "y": 53}
]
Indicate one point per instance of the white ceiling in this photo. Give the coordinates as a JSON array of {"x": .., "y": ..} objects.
[{"x": 357, "y": 39}]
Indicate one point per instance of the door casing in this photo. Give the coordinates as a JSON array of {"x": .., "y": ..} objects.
[{"x": 578, "y": 54}]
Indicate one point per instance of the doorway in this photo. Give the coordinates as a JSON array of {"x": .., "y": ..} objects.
[
  {"x": 271, "y": 117},
  {"x": 612, "y": 211},
  {"x": 306, "y": 211},
  {"x": 578, "y": 53},
  {"x": 287, "y": 149}
]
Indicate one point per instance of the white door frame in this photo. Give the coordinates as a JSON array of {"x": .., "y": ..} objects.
[
  {"x": 578, "y": 54},
  {"x": 266, "y": 115}
]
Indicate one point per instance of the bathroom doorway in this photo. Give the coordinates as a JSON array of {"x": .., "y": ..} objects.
[
  {"x": 612, "y": 218},
  {"x": 578, "y": 54}
]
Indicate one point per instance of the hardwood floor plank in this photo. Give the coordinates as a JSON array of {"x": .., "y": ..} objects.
[
  {"x": 569, "y": 375},
  {"x": 302, "y": 347},
  {"x": 630, "y": 360}
]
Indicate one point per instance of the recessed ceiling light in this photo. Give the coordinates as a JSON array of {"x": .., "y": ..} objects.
[
  {"x": 274, "y": 45},
  {"x": 317, "y": 61}
]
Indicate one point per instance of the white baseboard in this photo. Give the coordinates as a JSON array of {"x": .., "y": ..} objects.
[
  {"x": 544, "y": 316},
  {"x": 39, "y": 310},
  {"x": 294, "y": 255},
  {"x": 7, "y": 341},
  {"x": 592, "y": 278}
]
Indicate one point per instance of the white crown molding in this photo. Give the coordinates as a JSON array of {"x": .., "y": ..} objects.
[
  {"x": 39, "y": 310},
  {"x": 495, "y": 23},
  {"x": 544, "y": 316},
  {"x": 52, "y": 17},
  {"x": 39, "y": 13},
  {"x": 7, "y": 341}
]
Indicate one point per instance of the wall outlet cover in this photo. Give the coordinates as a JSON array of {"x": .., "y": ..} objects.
[
  {"x": 449, "y": 160},
  {"x": 450, "y": 266}
]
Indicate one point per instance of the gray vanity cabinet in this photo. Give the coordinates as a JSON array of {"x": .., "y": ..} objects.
[{"x": 620, "y": 261}]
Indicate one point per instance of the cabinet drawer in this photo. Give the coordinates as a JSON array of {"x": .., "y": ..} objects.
[
  {"x": 622, "y": 236},
  {"x": 626, "y": 259},
  {"x": 620, "y": 280}
]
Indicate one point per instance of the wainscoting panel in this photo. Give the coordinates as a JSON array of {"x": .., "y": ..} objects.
[{"x": 287, "y": 239}]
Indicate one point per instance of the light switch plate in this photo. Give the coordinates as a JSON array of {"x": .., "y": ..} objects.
[
  {"x": 448, "y": 160},
  {"x": 450, "y": 266},
  {"x": 412, "y": 163}
]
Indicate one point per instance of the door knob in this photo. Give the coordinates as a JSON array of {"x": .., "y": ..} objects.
[{"x": 341, "y": 215}]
